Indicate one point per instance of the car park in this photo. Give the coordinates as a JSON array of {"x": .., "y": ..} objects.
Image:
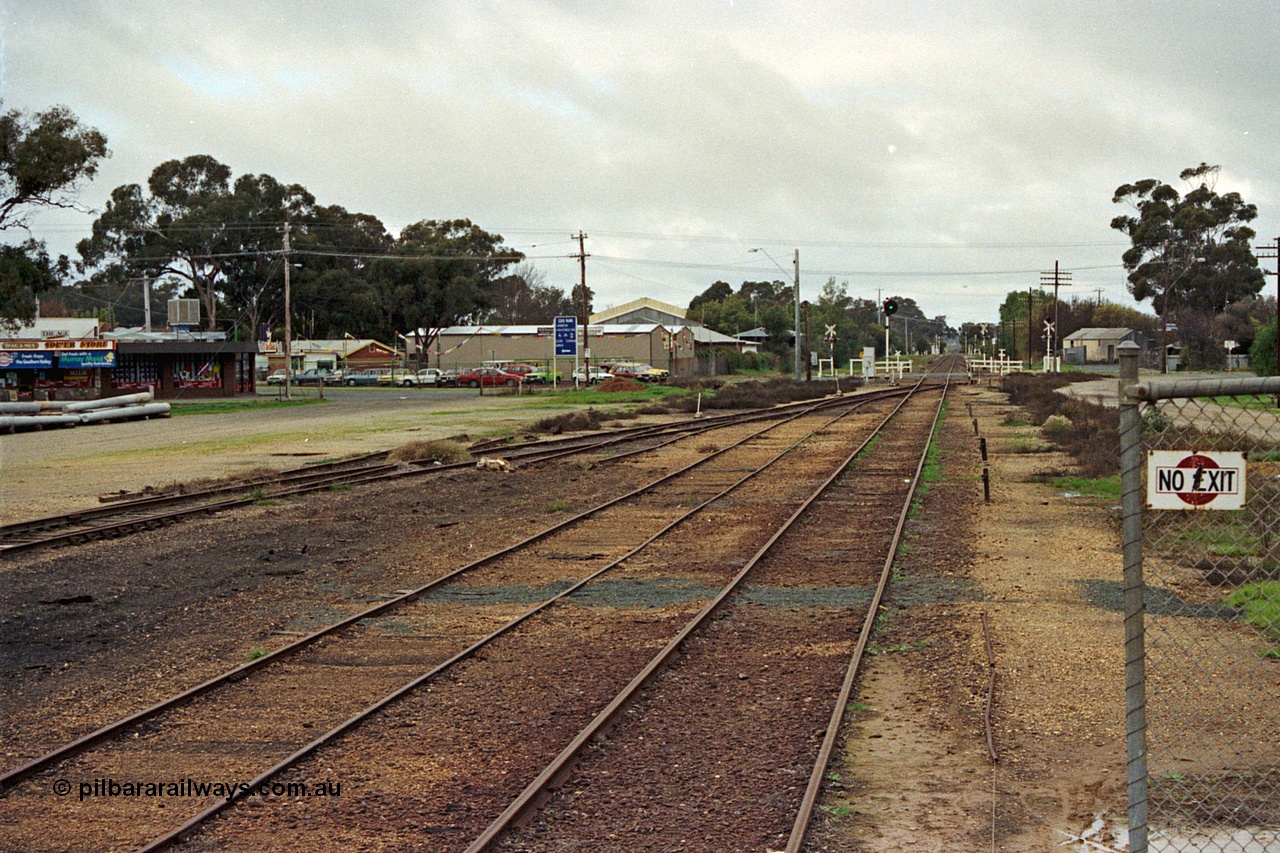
[{"x": 486, "y": 377}]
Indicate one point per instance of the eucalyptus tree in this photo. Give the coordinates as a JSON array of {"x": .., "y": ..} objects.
[
  {"x": 1189, "y": 249},
  {"x": 45, "y": 159},
  {"x": 443, "y": 272}
]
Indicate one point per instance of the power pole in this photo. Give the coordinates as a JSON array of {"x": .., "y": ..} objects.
[
  {"x": 797, "y": 315},
  {"x": 1272, "y": 252},
  {"x": 1031, "y": 332},
  {"x": 808, "y": 362},
  {"x": 1098, "y": 290},
  {"x": 586, "y": 311},
  {"x": 1057, "y": 277},
  {"x": 288, "y": 321}
]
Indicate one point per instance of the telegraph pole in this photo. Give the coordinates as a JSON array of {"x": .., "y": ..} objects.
[
  {"x": 288, "y": 321},
  {"x": 798, "y": 315},
  {"x": 586, "y": 311},
  {"x": 1056, "y": 278},
  {"x": 1272, "y": 252}
]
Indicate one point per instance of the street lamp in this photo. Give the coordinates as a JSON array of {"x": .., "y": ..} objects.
[{"x": 797, "y": 301}]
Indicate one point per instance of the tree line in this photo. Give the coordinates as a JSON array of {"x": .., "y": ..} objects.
[{"x": 196, "y": 230}]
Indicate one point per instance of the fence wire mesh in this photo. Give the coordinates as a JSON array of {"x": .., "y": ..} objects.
[{"x": 1212, "y": 629}]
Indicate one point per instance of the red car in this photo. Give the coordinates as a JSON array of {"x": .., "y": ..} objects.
[{"x": 487, "y": 377}]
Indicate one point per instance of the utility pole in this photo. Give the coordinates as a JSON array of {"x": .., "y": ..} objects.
[
  {"x": 1272, "y": 252},
  {"x": 288, "y": 321},
  {"x": 1056, "y": 278},
  {"x": 808, "y": 362},
  {"x": 1098, "y": 290},
  {"x": 797, "y": 315},
  {"x": 586, "y": 315},
  {"x": 1031, "y": 332}
]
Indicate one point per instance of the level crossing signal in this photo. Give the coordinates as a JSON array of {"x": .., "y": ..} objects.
[{"x": 890, "y": 307}]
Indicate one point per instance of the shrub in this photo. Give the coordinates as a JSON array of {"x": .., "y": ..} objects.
[{"x": 442, "y": 450}]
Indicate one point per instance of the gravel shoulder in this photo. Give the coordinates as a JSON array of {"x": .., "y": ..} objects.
[
  {"x": 914, "y": 774},
  {"x": 52, "y": 471}
]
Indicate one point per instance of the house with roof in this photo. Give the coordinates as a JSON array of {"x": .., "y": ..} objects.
[
  {"x": 332, "y": 354},
  {"x": 644, "y": 310},
  {"x": 1098, "y": 345}
]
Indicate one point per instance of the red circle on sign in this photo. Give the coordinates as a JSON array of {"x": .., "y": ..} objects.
[
  {"x": 1197, "y": 498},
  {"x": 5, "y": 359}
]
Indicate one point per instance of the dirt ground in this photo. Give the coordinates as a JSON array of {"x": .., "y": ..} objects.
[
  {"x": 914, "y": 775},
  {"x": 52, "y": 471}
]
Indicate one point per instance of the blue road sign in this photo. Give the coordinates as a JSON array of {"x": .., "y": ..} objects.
[{"x": 566, "y": 336}]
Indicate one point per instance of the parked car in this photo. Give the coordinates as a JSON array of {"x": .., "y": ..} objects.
[
  {"x": 542, "y": 377},
  {"x": 597, "y": 375},
  {"x": 429, "y": 376},
  {"x": 276, "y": 378},
  {"x": 487, "y": 377},
  {"x": 317, "y": 376},
  {"x": 448, "y": 378},
  {"x": 398, "y": 377},
  {"x": 629, "y": 371},
  {"x": 362, "y": 377}
]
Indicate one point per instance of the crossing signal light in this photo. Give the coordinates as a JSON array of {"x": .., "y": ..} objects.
[{"x": 890, "y": 307}]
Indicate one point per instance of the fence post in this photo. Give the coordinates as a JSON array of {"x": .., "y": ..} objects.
[{"x": 1131, "y": 487}]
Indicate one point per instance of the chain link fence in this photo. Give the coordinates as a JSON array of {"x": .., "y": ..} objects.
[{"x": 1201, "y": 494}]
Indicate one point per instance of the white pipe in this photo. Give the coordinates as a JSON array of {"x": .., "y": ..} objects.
[
  {"x": 150, "y": 410},
  {"x": 108, "y": 402},
  {"x": 37, "y": 421}
]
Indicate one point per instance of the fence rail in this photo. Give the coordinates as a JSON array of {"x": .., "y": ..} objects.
[{"x": 1201, "y": 595}]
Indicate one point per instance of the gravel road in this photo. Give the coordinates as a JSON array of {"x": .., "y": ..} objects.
[{"x": 51, "y": 471}]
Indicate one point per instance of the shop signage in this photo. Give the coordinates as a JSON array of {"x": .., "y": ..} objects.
[
  {"x": 87, "y": 359},
  {"x": 26, "y": 360}
]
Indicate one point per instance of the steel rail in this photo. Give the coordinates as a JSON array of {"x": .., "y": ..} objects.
[
  {"x": 353, "y": 721},
  {"x": 810, "y": 799},
  {"x": 61, "y": 529},
  {"x": 561, "y": 765},
  {"x": 12, "y": 777}
]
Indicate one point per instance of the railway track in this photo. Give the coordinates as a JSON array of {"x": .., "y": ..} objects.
[
  {"x": 698, "y": 512},
  {"x": 123, "y": 517}
]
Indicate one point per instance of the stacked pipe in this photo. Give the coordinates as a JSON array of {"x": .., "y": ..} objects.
[{"x": 14, "y": 416}]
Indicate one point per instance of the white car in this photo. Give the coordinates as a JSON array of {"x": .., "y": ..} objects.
[
  {"x": 429, "y": 376},
  {"x": 597, "y": 375}
]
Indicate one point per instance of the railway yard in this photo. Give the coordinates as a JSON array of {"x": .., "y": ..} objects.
[{"x": 795, "y": 629}]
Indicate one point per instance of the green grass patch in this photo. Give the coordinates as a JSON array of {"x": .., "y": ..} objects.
[
  {"x": 1013, "y": 421},
  {"x": 1090, "y": 487},
  {"x": 1260, "y": 603},
  {"x": 228, "y": 407},
  {"x": 1254, "y": 402},
  {"x": 257, "y": 652},
  {"x": 558, "y": 506}
]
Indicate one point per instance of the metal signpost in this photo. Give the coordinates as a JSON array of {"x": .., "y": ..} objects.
[{"x": 566, "y": 331}]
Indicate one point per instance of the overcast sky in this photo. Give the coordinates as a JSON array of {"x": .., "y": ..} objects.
[{"x": 945, "y": 151}]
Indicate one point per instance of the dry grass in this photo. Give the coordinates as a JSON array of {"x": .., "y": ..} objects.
[
  {"x": 1091, "y": 431},
  {"x": 442, "y": 450}
]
